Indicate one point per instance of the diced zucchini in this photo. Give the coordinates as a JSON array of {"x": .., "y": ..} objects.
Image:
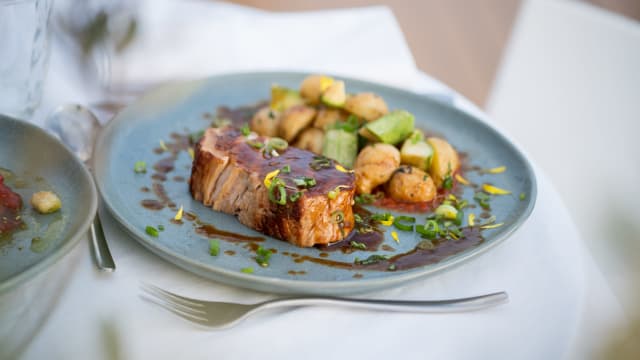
[
  {"x": 390, "y": 128},
  {"x": 415, "y": 151},
  {"x": 283, "y": 98},
  {"x": 335, "y": 95},
  {"x": 341, "y": 146}
]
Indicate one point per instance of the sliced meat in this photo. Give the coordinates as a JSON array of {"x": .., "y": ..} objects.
[
  {"x": 228, "y": 175},
  {"x": 10, "y": 205}
]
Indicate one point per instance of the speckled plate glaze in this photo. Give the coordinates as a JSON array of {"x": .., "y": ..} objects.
[
  {"x": 179, "y": 107},
  {"x": 42, "y": 163}
]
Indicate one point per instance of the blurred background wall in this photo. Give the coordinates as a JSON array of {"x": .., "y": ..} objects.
[{"x": 460, "y": 42}]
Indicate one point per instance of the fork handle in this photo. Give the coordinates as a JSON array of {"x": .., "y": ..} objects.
[{"x": 429, "y": 306}]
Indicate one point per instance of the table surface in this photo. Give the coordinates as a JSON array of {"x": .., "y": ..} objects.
[{"x": 552, "y": 283}]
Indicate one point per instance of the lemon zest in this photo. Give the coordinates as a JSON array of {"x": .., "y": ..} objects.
[
  {"x": 270, "y": 176},
  {"x": 178, "y": 216},
  {"x": 163, "y": 146},
  {"x": 495, "y": 190},
  {"x": 191, "y": 153},
  {"x": 394, "y": 235},
  {"x": 492, "y": 226},
  {"x": 462, "y": 180},
  {"x": 387, "y": 222},
  {"x": 343, "y": 169},
  {"x": 471, "y": 219},
  {"x": 325, "y": 82},
  {"x": 453, "y": 197},
  {"x": 496, "y": 170}
]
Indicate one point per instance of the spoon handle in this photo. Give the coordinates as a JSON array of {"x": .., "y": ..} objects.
[{"x": 101, "y": 252}]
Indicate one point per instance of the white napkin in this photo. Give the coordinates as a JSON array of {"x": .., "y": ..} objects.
[
  {"x": 174, "y": 44},
  {"x": 541, "y": 265}
]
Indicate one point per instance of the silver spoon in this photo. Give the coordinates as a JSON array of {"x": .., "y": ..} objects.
[{"x": 77, "y": 127}]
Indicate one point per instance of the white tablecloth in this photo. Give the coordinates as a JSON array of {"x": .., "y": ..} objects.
[{"x": 553, "y": 285}]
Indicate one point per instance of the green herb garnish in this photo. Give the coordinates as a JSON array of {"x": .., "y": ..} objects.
[
  {"x": 195, "y": 137},
  {"x": 161, "y": 227},
  {"x": 447, "y": 183},
  {"x": 276, "y": 192},
  {"x": 214, "y": 247},
  {"x": 366, "y": 199},
  {"x": 286, "y": 169},
  {"x": 305, "y": 182},
  {"x": 151, "y": 231},
  {"x": 295, "y": 196},
  {"x": 358, "y": 245},
  {"x": 247, "y": 270},
  {"x": 245, "y": 130},
  {"x": 482, "y": 199},
  {"x": 320, "y": 162},
  {"x": 429, "y": 230},
  {"x": 371, "y": 259},
  {"x": 262, "y": 256},
  {"x": 404, "y": 223},
  {"x": 140, "y": 167},
  {"x": 522, "y": 196},
  {"x": 278, "y": 143}
]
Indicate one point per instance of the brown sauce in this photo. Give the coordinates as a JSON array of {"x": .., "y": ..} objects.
[
  {"x": 211, "y": 231},
  {"x": 152, "y": 204},
  {"x": 412, "y": 259},
  {"x": 229, "y": 252},
  {"x": 178, "y": 178},
  {"x": 293, "y": 272},
  {"x": 145, "y": 189},
  {"x": 159, "y": 177},
  {"x": 386, "y": 247},
  {"x": 165, "y": 165}
]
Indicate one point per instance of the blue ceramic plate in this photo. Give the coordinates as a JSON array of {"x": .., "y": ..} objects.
[
  {"x": 136, "y": 135},
  {"x": 32, "y": 160}
]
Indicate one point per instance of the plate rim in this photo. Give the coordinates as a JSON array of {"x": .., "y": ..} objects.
[
  {"x": 34, "y": 270},
  {"x": 280, "y": 285}
]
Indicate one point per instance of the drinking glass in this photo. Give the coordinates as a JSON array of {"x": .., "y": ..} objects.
[{"x": 24, "y": 55}]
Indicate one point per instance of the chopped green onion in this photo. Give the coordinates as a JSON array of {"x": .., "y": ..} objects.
[
  {"x": 459, "y": 218},
  {"x": 358, "y": 245},
  {"x": 404, "y": 223},
  {"x": 255, "y": 144},
  {"x": 391, "y": 267},
  {"x": 214, "y": 247},
  {"x": 365, "y": 199},
  {"x": 286, "y": 169},
  {"x": 295, "y": 196},
  {"x": 247, "y": 270},
  {"x": 332, "y": 194},
  {"x": 446, "y": 211},
  {"x": 357, "y": 218},
  {"x": 522, "y": 196},
  {"x": 482, "y": 199},
  {"x": 447, "y": 183},
  {"x": 262, "y": 256},
  {"x": 429, "y": 230},
  {"x": 305, "y": 181},
  {"x": 278, "y": 143},
  {"x": 337, "y": 217},
  {"x": 371, "y": 259},
  {"x": 140, "y": 167},
  {"x": 161, "y": 227},
  {"x": 151, "y": 231},
  {"x": 245, "y": 130},
  {"x": 320, "y": 162},
  {"x": 282, "y": 192}
]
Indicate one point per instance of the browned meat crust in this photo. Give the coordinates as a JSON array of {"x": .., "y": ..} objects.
[{"x": 228, "y": 175}]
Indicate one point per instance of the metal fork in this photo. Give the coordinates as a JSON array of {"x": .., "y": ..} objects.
[{"x": 221, "y": 315}]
